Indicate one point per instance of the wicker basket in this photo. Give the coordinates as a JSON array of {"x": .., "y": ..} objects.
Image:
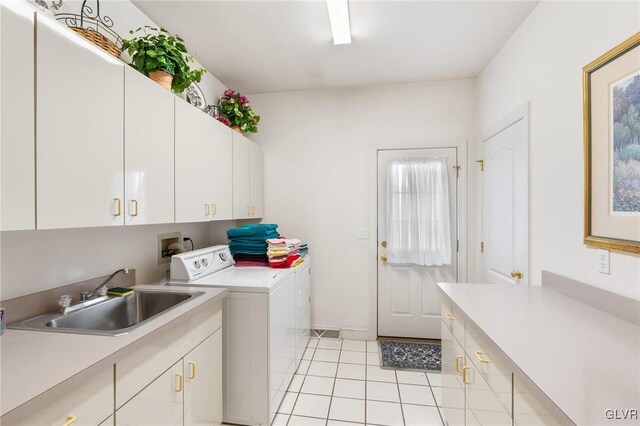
[{"x": 99, "y": 40}]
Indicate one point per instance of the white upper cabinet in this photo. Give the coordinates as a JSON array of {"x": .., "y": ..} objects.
[
  {"x": 248, "y": 198},
  {"x": 257, "y": 182},
  {"x": 241, "y": 177},
  {"x": 79, "y": 131},
  {"x": 203, "y": 166},
  {"x": 149, "y": 145},
  {"x": 17, "y": 110}
]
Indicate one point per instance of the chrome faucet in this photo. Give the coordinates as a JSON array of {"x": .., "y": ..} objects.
[{"x": 90, "y": 295}]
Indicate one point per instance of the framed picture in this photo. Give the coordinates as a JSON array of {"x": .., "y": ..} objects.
[{"x": 611, "y": 94}]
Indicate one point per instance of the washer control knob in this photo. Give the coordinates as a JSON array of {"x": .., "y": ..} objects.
[
  {"x": 196, "y": 263},
  {"x": 205, "y": 262},
  {"x": 223, "y": 257}
]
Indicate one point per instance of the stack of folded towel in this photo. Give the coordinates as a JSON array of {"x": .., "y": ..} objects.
[
  {"x": 248, "y": 243},
  {"x": 304, "y": 249},
  {"x": 283, "y": 252}
]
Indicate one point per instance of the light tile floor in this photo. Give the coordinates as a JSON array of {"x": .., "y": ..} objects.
[{"x": 339, "y": 383}]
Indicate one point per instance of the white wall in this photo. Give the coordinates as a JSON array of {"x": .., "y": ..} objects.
[
  {"x": 318, "y": 174},
  {"x": 34, "y": 261},
  {"x": 542, "y": 63}
]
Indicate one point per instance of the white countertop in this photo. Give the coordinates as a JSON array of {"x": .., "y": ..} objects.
[
  {"x": 33, "y": 362},
  {"x": 585, "y": 360}
]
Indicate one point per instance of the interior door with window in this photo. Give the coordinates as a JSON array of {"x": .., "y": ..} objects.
[
  {"x": 504, "y": 253},
  {"x": 417, "y": 238}
]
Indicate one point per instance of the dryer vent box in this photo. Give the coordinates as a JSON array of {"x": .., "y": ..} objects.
[{"x": 164, "y": 241}]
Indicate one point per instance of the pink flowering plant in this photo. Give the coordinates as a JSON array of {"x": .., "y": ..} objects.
[{"x": 237, "y": 109}]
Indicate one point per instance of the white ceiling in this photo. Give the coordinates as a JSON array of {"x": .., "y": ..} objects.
[{"x": 275, "y": 46}]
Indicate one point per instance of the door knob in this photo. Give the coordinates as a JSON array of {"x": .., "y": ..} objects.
[
  {"x": 383, "y": 258},
  {"x": 383, "y": 243},
  {"x": 517, "y": 274}
]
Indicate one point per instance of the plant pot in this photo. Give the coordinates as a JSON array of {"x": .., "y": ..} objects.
[
  {"x": 164, "y": 79},
  {"x": 237, "y": 129}
]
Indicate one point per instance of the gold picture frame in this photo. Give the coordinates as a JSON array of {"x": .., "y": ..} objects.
[{"x": 611, "y": 212}]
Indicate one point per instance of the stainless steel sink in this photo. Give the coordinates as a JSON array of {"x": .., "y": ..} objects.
[{"x": 112, "y": 316}]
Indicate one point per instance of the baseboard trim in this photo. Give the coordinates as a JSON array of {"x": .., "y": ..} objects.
[{"x": 354, "y": 333}]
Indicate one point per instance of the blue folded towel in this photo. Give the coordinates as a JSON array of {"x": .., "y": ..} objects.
[{"x": 253, "y": 230}]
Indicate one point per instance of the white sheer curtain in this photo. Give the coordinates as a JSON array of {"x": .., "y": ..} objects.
[{"x": 418, "y": 228}]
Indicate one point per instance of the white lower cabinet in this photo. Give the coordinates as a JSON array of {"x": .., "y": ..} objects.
[
  {"x": 160, "y": 403},
  {"x": 527, "y": 409},
  {"x": 453, "y": 392},
  {"x": 176, "y": 378},
  {"x": 480, "y": 387},
  {"x": 203, "y": 382},
  {"x": 88, "y": 404}
]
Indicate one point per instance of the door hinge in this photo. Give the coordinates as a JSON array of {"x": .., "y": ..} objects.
[
  {"x": 481, "y": 246},
  {"x": 481, "y": 162},
  {"x": 457, "y": 170}
]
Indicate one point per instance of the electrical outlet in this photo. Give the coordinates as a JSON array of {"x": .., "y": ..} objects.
[{"x": 603, "y": 261}]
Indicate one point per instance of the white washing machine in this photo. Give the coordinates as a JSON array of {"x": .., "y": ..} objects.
[{"x": 259, "y": 330}]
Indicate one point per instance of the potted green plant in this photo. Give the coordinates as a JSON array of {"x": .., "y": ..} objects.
[
  {"x": 236, "y": 108},
  {"x": 162, "y": 57}
]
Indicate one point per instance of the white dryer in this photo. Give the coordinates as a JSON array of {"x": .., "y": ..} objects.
[{"x": 259, "y": 330}]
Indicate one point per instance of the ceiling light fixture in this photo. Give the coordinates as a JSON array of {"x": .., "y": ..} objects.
[{"x": 339, "y": 20}]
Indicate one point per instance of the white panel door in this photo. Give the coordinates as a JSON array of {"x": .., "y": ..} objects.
[
  {"x": 257, "y": 182},
  {"x": 80, "y": 149},
  {"x": 203, "y": 383},
  {"x": 241, "y": 177},
  {"x": 505, "y": 206},
  {"x": 148, "y": 159},
  {"x": 195, "y": 172},
  {"x": 222, "y": 163},
  {"x": 408, "y": 300},
  {"x": 17, "y": 109},
  {"x": 159, "y": 404}
]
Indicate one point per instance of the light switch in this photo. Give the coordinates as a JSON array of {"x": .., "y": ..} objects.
[{"x": 362, "y": 233}]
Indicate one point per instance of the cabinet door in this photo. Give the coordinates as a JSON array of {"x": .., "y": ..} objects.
[
  {"x": 17, "y": 111},
  {"x": 222, "y": 196},
  {"x": 529, "y": 409},
  {"x": 203, "y": 383},
  {"x": 159, "y": 404},
  {"x": 484, "y": 404},
  {"x": 148, "y": 158},
  {"x": 79, "y": 128},
  {"x": 453, "y": 398},
  {"x": 241, "y": 177},
  {"x": 89, "y": 404},
  {"x": 195, "y": 173},
  {"x": 142, "y": 366},
  {"x": 256, "y": 171}
]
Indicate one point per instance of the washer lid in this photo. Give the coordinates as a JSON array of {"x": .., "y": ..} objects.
[{"x": 251, "y": 279}]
